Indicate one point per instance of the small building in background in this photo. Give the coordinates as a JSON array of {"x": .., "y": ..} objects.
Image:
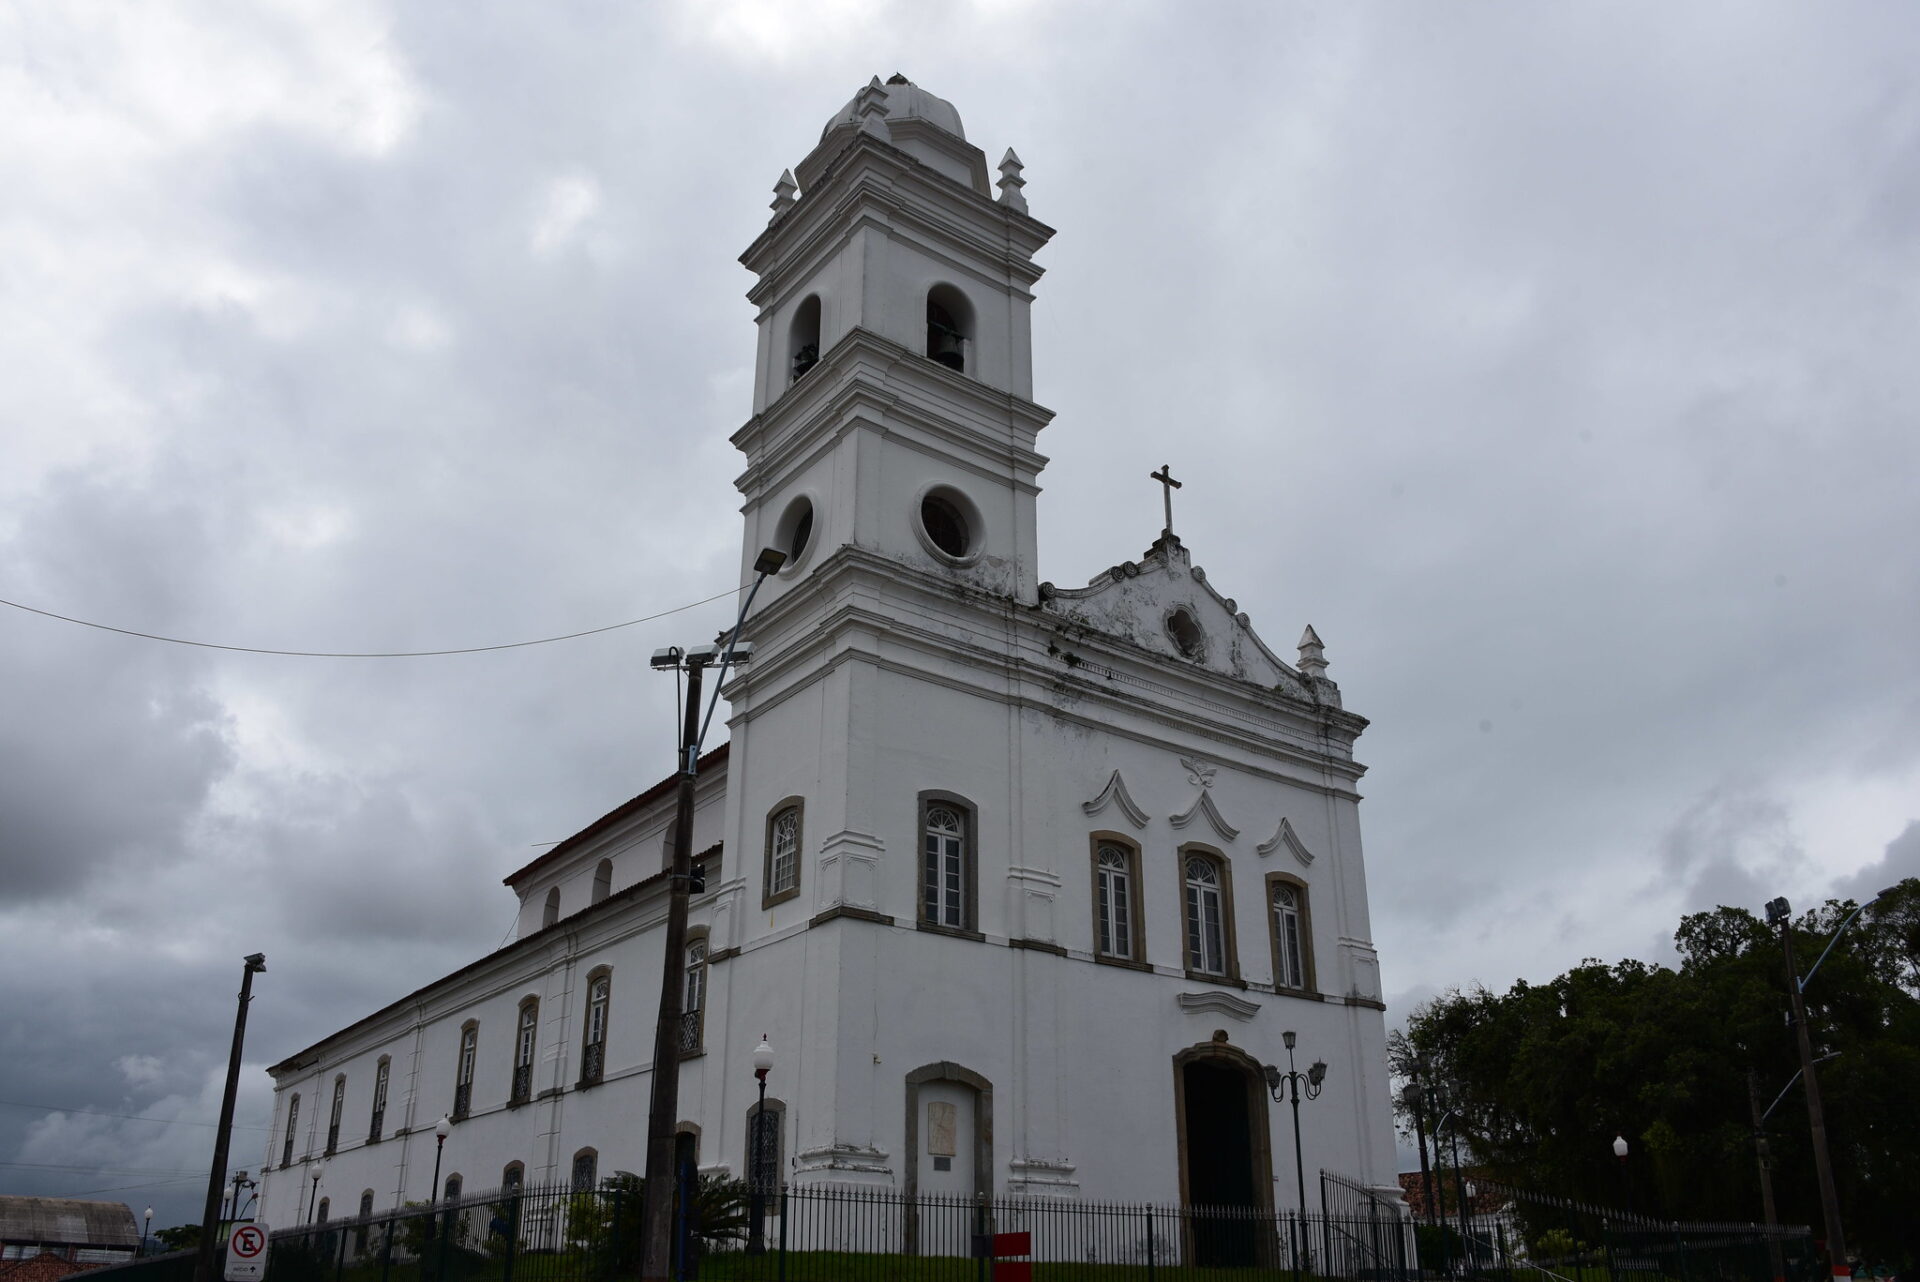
[{"x": 83, "y": 1234}]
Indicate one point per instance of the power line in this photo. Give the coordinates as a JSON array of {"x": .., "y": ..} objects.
[
  {"x": 151, "y": 1184},
  {"x": 132, "y": 1117},
  {"x": 364, "y": 654},
  {"x": 101, "y": 1170}
]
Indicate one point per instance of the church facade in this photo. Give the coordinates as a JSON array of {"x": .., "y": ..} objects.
[{"x": 1022, "y": 883}]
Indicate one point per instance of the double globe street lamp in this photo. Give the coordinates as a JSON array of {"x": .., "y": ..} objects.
[{"x": 1297, "y": 1084}]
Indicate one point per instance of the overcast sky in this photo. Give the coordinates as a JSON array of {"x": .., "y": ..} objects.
[{"x": 1558, "y": 363}]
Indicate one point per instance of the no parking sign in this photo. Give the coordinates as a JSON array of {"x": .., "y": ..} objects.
[{"x": 247, "y": 1253}]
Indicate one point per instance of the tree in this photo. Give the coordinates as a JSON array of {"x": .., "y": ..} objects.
[{"x": 1540, "y": 1079}]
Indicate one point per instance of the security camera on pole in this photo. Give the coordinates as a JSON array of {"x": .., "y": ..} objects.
[{"x": 656, "y": 1218}]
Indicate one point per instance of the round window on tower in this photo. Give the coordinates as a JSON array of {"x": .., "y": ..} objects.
[
  {"x": 949, "y": 525},
  {"x": 1186, "y": 634},
  {"x": 794, "y": 533}
]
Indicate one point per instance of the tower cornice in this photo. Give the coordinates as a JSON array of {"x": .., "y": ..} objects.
[
  {"x": 871, "y": 179},
  {"x": 868, "y": 377}
]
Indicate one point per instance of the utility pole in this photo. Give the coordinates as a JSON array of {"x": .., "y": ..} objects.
[
  {"x": 663, "y": 1112},
  {"x": 203, "y": 1269},
  {"x": 1765, "y": 1159},
  {"x": 1779, "y": 914},
  {"x": 657, "y": 1194}
]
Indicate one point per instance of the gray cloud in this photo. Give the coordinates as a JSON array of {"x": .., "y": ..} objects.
[{"x": 1564, "y": 385}]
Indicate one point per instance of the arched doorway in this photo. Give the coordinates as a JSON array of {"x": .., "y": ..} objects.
[
  {"x": 949, "y": 1158},
  {"x": 1226, "y": 1156}
]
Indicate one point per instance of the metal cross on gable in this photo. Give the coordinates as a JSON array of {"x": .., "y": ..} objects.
[{"x": 1167, "y": 486}]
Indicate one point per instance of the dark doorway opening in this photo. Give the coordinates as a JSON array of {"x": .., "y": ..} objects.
[{"x": 1220, "y": 1177}]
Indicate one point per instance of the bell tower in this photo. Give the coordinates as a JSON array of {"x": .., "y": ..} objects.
[{"x": 893, "y": 384}]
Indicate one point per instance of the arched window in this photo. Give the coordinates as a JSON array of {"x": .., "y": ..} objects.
[
  {"x": 513, "y": 1177},
  {"x": 946, "y": 864},
  {"x": 593, "y": 1046},
  {"x": 803, "y": 338},
  {"x": 1292, "y": 933},
  {"x": 693, "y": 1010},
  {"x": 453, "y": 1186},
  {"x": 366, "y": 1213},
  {"x": 333, "y": 1116},
  {"x": 293, "y": 1123},
  {"x": 381, "y": 1072},
  {"x": 463, "y": 1071},
  {"x": 764, "y": 1160},
  {"x": 602, "y": 880},
  {"x": 1209, "y": 916},
  {"x": 326, "y": 1207},
  {"x": 551, "y": 913},
  {"x": 525, "y": 1043},
  {"x": 1117, "y": 934},
  {"x": 949, "y": 327},
  {"x": 586, "y": 1168},
  {"x": 366, "y": 1203},
  {"x": 782, "y": 873}
]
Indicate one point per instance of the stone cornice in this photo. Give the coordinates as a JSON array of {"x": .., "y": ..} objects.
[
  {"x": 865, "y": 375},
  {"x": 867, "y": 170},
  {"x": 827, "y": 624}
]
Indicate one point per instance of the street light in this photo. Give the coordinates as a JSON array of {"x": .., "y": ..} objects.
[
  {"x": 762, "y": 1065},
  {"x": 441, "y": 1129},
  {"x": 1298, "y": 1084},
  {"x": 1780, "y": 914},
  {"x": 145, "y": 1228},
  {"x": 663, "y": 1108},
  {"x": 203, "y": 1270},
  {"x": 1626, "y": 1189},
  {"x": 313, "y": 1173}
]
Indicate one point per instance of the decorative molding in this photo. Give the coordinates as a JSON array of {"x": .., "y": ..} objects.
[
  {"x": 1042, "y": 1177},
  {"x": 1284, "y": 836},
  {"x": 862, "y": 1159},
  {"x": 1199, "y": 771},
  {"x": 1203, "y": 805},
  {"x": 851, "y": 912},
  {"x": 1115, "y": 793},
  {"x": 1225, "y": 1003}
]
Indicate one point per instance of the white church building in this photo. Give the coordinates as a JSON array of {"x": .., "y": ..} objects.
[{"x": 1023, "y": 883}]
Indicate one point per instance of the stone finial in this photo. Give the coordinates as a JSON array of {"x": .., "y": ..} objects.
[
  {"x": 1011, "y": 182},
  {"x": 1313, "y": 655},
  {"x": 783, "y": 192},
  {"x": 870, "y": 104}
]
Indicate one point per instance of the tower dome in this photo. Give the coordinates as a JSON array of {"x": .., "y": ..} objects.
[{"x": 905, "y": 101}]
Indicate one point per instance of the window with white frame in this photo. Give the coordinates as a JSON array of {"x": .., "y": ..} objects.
[
  {"x": 1292, "y": 944},
  {"x": 693, "y": 1012},
  {"x": 944, "y": 868},
  {"x": 783, "y": 854},
  {"x": 463, "y": 1073},
  {"x": 333, "y": 1117},
  {"x": 586, "y": 1165},
  {"x": 593, "y": 1051},
  {"x": 525, "y": 1044},
  {"x": 377, "y": 1122},
  {"x": 1206, "y": 916},
  {"x": 293, "y": 1123},
  {"x": 1114, "y": 901}
]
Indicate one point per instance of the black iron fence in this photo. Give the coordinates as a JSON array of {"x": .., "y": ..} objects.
[
  {"x": 1540, "y": 1237},
  {"x": 818, "y": 1233}
]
